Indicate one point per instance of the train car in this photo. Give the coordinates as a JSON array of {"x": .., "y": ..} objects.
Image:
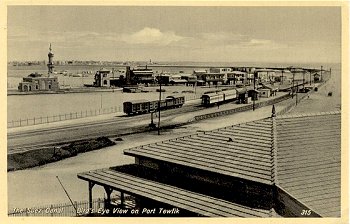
[
  {"x": 212, "y": 98},
  {"x": 179, "y": 101},
  {"x": 153, "y": 106},
  {"x": 230, "y": 94},
  {"x": 136, "y": 107},
  {"x": 173, "y": 102},
  {"x": 145, "y": 106}
]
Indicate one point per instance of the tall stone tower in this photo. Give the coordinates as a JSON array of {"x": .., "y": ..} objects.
[{"x": 50, "y": 65}]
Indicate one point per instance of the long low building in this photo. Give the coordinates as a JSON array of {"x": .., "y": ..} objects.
[
  {"x": 38, "y": 82},
  {"x": 286, "y": 166}
]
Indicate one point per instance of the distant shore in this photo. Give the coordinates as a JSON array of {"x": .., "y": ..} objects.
[{"x": 64, "y": 91}]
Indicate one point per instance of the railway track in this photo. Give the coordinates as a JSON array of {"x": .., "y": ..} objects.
[
  {"x": 116, "y": 120},
  {"x": 55, "y": 136}
]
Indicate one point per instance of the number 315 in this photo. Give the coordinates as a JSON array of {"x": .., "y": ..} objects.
[{"x": 306, "y": 212}]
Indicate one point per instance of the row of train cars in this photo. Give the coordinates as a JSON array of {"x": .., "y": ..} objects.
[{"x": 208, "y": 99}]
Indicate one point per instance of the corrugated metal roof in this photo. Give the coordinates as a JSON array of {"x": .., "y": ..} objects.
[
  {"x": 242, "y": 151},
  {"x": 300, "y": 153},
  {"x": 308, "y": 160},
  {"x": 174, "y": 196}
]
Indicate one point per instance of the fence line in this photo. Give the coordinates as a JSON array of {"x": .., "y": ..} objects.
[
  {"x": 67, "y": 209},
  {"x": 62, "y": 117},
  {"x": 73, "y": 115}
]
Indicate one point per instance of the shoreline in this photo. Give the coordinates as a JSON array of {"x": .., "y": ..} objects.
[{"x": 63, "y": 91}]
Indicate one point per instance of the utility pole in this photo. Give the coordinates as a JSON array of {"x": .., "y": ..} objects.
[
  {"x": 296, "y": 95},
  {"x": 293, "y": 85},
  {"x": 303, "y": 79},
  {"x": 254, "y": 93},
  {"x": 160, "y": 98},
  {"x": 321, "y": 73},
  {"x": 101, "y": 101},
  {"x": 310, "y": 78},
  {"x": 282, "y": 77}
]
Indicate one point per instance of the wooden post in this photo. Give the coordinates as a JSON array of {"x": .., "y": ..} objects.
[
  {"x": 108, "y": 193},
  {"x": 122, "y": 199},
  {"x": 91, "y": 185}
]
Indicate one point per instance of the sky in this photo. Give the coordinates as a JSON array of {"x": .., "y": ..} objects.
[{"x": 168, "y": 33}]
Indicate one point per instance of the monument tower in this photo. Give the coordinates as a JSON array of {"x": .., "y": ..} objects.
[{"x": 50, "y": 65}]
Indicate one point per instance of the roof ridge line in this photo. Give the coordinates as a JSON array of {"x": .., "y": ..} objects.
[
  {"x": 309, "y": 114},
  {"x": 274, "y": 150}
]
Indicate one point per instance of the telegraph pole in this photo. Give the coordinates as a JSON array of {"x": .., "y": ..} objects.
[
  {"x": 101, "y": 100},
  {"x": 310, "y": 78},
  {"x": 160, "y": 98},
  {"x": 254, "y": 93},
  {"x": 282, "y": 77},
  {"x": 293, "y": 85},
  {"x": 321, "y": 73},
  {"x": 296, "y": 95}
]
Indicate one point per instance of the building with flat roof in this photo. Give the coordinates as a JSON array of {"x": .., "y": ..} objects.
[
  {"x": 38, "y": 82},
  {"x": 286, "y": 166}
]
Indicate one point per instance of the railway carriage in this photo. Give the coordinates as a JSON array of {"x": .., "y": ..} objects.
[
  {"x": 136, "y": 106},
  {"x": 210, "y": 99},
  {"x": 145, "y": 106},
  {"x": 173, "y": 102},
  {"x": 230, "y": 94}
]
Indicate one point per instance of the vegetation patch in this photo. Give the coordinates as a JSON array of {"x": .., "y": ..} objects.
[{"x": 40, "y": 157}]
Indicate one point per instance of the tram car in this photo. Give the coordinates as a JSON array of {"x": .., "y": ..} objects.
[
  {"x": 146, "y": 106},
  {"x": 224, "y": 96}
]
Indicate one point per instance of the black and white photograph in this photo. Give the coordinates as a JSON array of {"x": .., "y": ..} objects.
[{"x": 176, "y": 110}]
